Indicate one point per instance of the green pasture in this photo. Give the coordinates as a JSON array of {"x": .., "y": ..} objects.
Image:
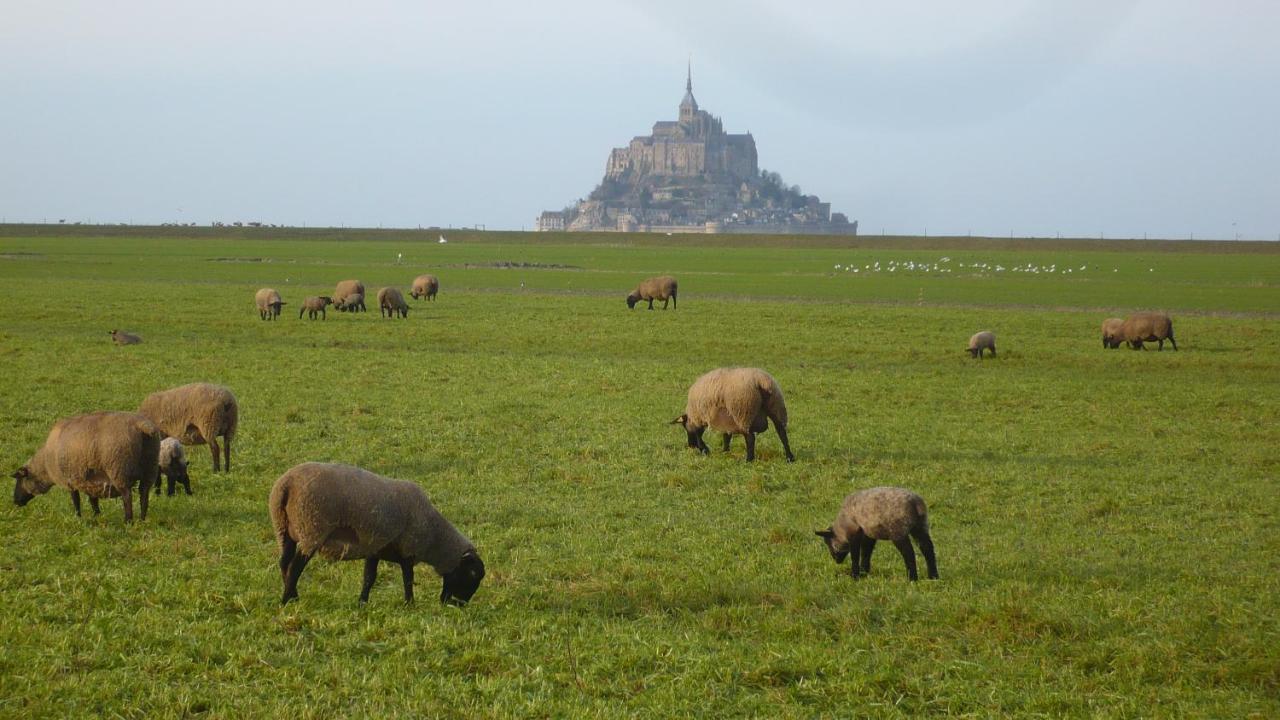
[{"x": 1107, "y": 522}]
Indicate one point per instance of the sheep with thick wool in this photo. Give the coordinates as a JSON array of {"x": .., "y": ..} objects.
[
  {"x": 313, "y": 305},
  {"x": 269, "y": 302},
  {"x": 1112, "y": 329},
  {"x": 344, "y": 290},
  {"x": 391, "y": 303},
  {"x": 425, "y": 286},
  {"x": 881, "y": 513},
  {"x": 121, "y": 337},
  {"x": 985, "y": 340},
  {"x": 655, "y": 288},
  {"x": 196, "y": 414},
  {"x": 102, "y": 455},
  {"x": 735, "y": 401},
  {"x": 1147, "y": 327},
  {"x": 347, "y": 513},
  {"x": 173, "y": 465}
]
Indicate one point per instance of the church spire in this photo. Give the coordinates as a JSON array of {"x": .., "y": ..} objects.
[
  {"x": 688, "y": 106},
  {"x": 688, "y": 83}
]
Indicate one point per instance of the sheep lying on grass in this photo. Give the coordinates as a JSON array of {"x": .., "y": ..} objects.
[
  {"x": 313, "y": 305},
  {"x": 985, "y": 340},
  {"x": 100, "y": 454},
  {"x": 425, "y": 286},
  {"x": 1112, "y": 333},
  {"x": 391, "y": 303},
  {"x": 655, "y": 288},
  {"x": 196, "y": 414},
  {"x": 881, "y": 513},
  {"x": 346, "y": 513},
  {"x": 735, "y": 400},
  {"x": 269, "y": 302},
  {"x": 1147, "y": 327},
  {"x": 173, "y": 465},
  {"x": 121, "y": 337}
]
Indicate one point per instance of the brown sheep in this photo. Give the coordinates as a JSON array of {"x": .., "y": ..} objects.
[
  {"x": 347, "y": 513},
  {"x": 313, "y": 305},
  {"x": 425, "y": 286},
  {"x": 735, "y": 400},
  {"x": 655, "y": 288},
  {"x": 351, "y": 303},
  {"x": 1111, "y": 333},
  {"x": 101, "y": 454},
  {"x": 196, "y": 414},
  {"x": 1147, "y": 327},
  {"x": 121, "y": 337},
  {"x": 985, "y": 340},
  {"x": 345, "y": 288},
  {"x": 391, "y": 303},
  {"x": 269, "y": 302},
  {"x": 882, "y": 513}
]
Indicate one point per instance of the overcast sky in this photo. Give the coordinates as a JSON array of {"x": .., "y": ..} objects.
[{"x": 1120, "y": 117}]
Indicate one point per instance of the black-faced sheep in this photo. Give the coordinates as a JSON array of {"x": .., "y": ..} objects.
[
  {"x": 269, "y": 302},
  {"x": 347, "y": 513},
  {"x": 391, "y": 303},
  {"x": 735, "y": 401},
  {"x": 100, "y": 454},
  {"x": 351, "y": 303},
  {"x": 881, "y": 513},
  {"x": 985, "y": 340},
  {"x": 655, "y": 288},
  {"x": 173, "y": 465},
  {"x": 121, "y": 337},
  {"x": 1112, "y": 329},
  {"x": 1147, "y": 327},
  {"x": 345, "y": 289},
  {"x": 196, "y": 414},
  {"x": 313, "y": 305},
  {"x": 425, "y": 286}
]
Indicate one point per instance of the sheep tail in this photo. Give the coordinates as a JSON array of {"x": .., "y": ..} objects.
[
  {"x": 922, "y": 512},
  {"x": 771, "y": 395},
  {"x": 279, "y": 518}
]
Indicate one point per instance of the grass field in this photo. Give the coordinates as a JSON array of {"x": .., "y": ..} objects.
[{"x": 1107, "y": 522}]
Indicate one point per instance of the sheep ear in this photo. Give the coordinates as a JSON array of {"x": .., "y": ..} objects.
[
  {"x": 828, "y": 533},
  {"x": 21, "y": 473}
]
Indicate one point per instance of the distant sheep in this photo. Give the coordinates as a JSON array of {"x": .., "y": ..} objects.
[
  {"x": 1112, "y": 329},
  {"x": 1147, "y": 327},
  {"x": 391, "y": 303},
  {"x": 313, "y": 305},
  {"x": 351, "y": 303},
  {"x": 101, "y": 454},
  {"x": 881, "y": 513},
  {"x": 985, "y": 340},
  {"x": 347, "y": 288},
  {"x": 121, "y": 337},
  {"x": 655, "y": 288},
  {"x": 196, "y": 414},
  {"x": 425, "y": 286},
  {"x": 346, "y": 513},
  {"x": 173, "y": 465},
  {"x": 269, "y": 302},
  {"x": 735, "y": 401}
]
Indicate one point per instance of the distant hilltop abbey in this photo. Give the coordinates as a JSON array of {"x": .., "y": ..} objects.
[{"x": 689, "y": 175}]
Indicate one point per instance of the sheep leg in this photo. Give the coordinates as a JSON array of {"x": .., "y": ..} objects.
[
  {"x": 126, "y": 496},
  {"x": 93, "y": 503},
  {"x": 665, "y": 302},
  {"x": 751, "y": 446},
  {"x": 75, "y": 501},
  {"x": 1172, "y": 342},
  {"x": 406, "y": 573},
  {"x": 144, "y": 495},
  {"x": 702, "y": 445},
  {"x": 296, "y": 566},
  {"x": 650, "y": 303},
  {"x": 868, "y": 545},
  {"x": 786, "y": 445},
  {"x": 186, "y": 485},
  {"x": 926, "y": 547},
  {"x": 727, "y": 437},
  {"x": 288, "y": 548},
  {"x": 158, "y": 483},
  {"x": 226, "y": 453},
  {"x": 213, "y": 448},
  {"x": 908, "y": 556},
  {"x": 370, "y": 574}
]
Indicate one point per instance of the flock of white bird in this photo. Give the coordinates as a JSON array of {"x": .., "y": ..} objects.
[{"x": 944, "y": 265}]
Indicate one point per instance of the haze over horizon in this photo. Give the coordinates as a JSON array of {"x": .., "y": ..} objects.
[{"x": 1118, "y": 118}]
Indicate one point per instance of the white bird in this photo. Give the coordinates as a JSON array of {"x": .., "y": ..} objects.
[{"x": 399, "y": 256}]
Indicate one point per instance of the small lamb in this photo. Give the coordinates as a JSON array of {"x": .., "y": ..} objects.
[
  {"x": 313, "y": 305},
  {"x": 173, "y": 465},
  {"x": 881, "y": 513},
  {"x": 351, "y": 303},
  {"x": 347, "y": 513},
  {"x": 985, "y": 340}
]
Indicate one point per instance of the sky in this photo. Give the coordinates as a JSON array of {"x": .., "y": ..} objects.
[{"x": 1121, "y": 118}]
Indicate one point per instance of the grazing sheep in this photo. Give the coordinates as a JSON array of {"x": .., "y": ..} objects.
[
  {"x": 269, "y": 303},
  {"x": 425, "y": 286},
  {"x": 985, "y": 340},
  {"x": 173, "y": 465},
  {"x": 101, "y": 454},
  {"x": 196, "y": 414},
  {"x": 351, "y": 303},
  {"x": 391, "y": 303},
  {"x": 1147, "y": 327},
  {"x": 347, "y": 288},
  {"x": 881, "y": 513},
  {"x": 655, "y": 288},
  {"x": 346, "y": 513},
  {"x": 313, "y": 305},
  {"x": 1111, "y": 333},
  {"x": 121, "y": 337},
  {"x": 735, "y": 400}
]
